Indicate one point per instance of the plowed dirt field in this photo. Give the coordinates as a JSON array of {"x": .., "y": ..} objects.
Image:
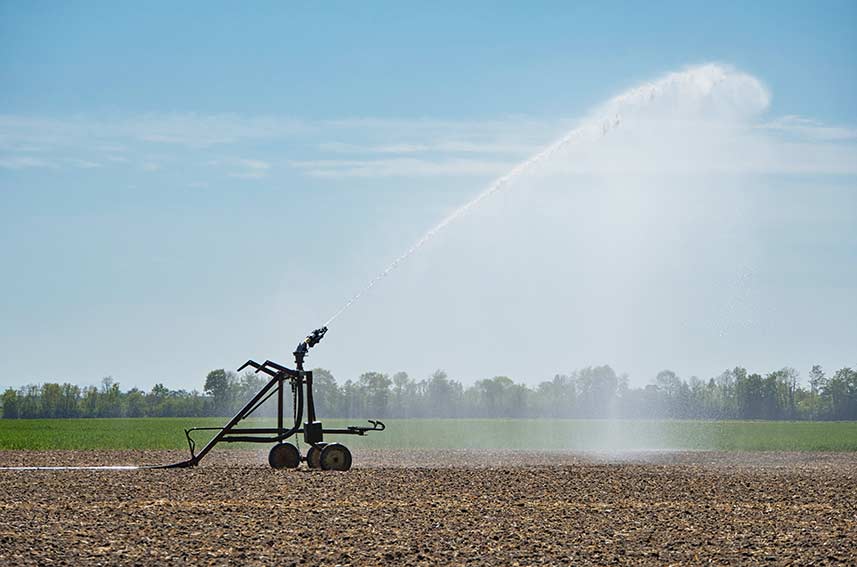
[{"x": 432, "y": 507}]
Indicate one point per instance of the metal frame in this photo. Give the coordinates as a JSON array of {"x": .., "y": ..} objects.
[{"x": 299, "y": 380}]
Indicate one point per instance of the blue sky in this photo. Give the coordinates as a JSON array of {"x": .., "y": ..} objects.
[
  {"x": 453, "y": 60},
  {"x": 186, "y": 186}
]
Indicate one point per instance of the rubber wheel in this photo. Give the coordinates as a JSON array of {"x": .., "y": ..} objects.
[
  {"x": 313, "y": 456},
  {"x": 335, "y": 457},
  {"x": 284, "y": 456}
]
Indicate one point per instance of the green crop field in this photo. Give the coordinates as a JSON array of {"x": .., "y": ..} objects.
[{"x": 544, "y": 434}]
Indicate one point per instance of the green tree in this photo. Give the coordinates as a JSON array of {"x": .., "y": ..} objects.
[
  {"x": 818, "y": 384},
  {"x": 498, "y": 397},
  {"x": 376, "y": 392},
  {"x": 842, "y": 391},
  {"x": 30, "y": 403},
  {"x": 51, "y": 395},
  {"x": 10, "y": 404},
  {"x": 327, "y": 394},
  {"x": 443, "y": 396},
  {"x": 402, "y": 395},
  {"x": 353, "y": 399},
  {"x": 670, "y": 389},
  {"x": 109, "y": 399},
  {"x": 599, "y": 391},
  {"x": 217, "y": 385},
  {"x": 244, "y": 388},
  {"x": 135, "y": 402},
  {"x": 156, "y": 400},
  {"x": 89, "y": 402},
  {"x": 556, "y": 398},
  {"x": 69, "y": 401}
]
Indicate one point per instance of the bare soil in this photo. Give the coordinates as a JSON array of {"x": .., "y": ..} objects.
[{"x": 432, "y": 507}]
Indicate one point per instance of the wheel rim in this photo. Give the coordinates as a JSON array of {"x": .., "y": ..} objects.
[
  {"x": 313, "y": 456},
  {"x": 284, "y": 456},
  {"x": 336, "y": 460},
  {"x": 335, "y": 457}
]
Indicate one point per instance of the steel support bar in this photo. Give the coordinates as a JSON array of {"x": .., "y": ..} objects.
[
  {"x": 280, "y": 407},
  {"x": 232, "y": 422}
]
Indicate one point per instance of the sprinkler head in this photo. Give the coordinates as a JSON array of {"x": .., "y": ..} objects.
[
  {"x": 310, "y": 341},
  {"x": 316, "y": 336}
]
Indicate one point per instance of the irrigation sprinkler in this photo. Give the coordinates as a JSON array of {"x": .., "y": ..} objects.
[{"x": 283, "y": 455}]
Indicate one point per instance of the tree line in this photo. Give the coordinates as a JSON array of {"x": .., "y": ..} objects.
[{"x": 591, "y": 392}]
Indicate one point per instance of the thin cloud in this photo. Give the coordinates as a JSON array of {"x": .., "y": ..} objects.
[
  {"x": 253, "y": 164},
  {"x": 380, "y": 147},
  {"x": 84, "y": 164},
  {"x": 520, "y": 124},
  {"x": 401, "y": 167},
  {"x": 810, "y": 129},
  {"x": 115, "y": 134},
  {"x": 24, "y": 162},
  {"x": 243, "y": 168},
  {"x": 344, "y": 148},
  {"x": 448, "y": 146}
]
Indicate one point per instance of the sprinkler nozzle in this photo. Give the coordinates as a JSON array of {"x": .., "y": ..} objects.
[
  {"x": 316, "y": 336},
  {"x": 310, "y": 341}
]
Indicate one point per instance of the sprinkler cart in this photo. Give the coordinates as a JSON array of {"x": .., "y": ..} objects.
[{"x": 321, "y": 455}]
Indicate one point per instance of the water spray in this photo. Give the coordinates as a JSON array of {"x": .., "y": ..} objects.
[
  {"x": 493, "y": 188},
  {"x": 700, "y": 80}
]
